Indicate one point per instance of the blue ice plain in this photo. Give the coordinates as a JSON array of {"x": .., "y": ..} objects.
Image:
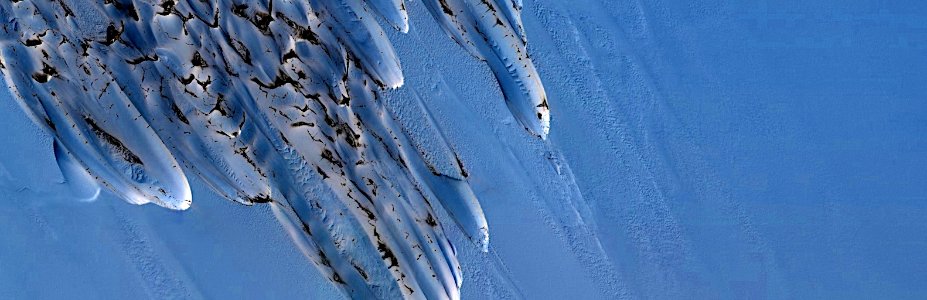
[
  {"x": 750, "y": 150},
  {"x": 747, "y": 150}
]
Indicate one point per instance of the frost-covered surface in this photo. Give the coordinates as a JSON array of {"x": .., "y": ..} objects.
[
  {"x": 266, "y": 101},
  {"x": 721, "y": 150}
]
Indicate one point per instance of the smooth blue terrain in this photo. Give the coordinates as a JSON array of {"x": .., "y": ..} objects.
[{"x": 706, "y": 150}]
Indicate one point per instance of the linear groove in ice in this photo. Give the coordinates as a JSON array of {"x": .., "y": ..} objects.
[{"x": 266, "y": 101}]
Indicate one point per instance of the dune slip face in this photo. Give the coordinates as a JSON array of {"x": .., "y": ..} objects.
[{"x": 267, "y": 101}]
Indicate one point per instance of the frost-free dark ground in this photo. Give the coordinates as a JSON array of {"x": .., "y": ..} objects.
[{"x": 747, "y": 150}]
